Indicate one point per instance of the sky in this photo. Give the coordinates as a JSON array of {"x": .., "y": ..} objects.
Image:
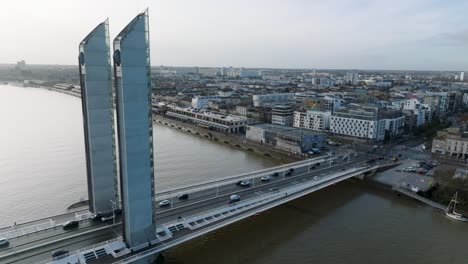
[{"x": 332, "y": 34}]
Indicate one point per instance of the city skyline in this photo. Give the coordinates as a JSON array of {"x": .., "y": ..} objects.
[{"x": 413, "y": 35}]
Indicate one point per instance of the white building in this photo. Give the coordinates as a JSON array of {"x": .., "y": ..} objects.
[
  {"x": 352, "y": 78},
  {"x": 358, "y": 122},
  {"x": 267, "y": 99},
  {"x": 200, "y": 102},
  {"x": 312, "y": 119},
  {"x": 465, "y": 99},
  {"x": 462, "y": 76},
  {"x": 209, "y": 119}
]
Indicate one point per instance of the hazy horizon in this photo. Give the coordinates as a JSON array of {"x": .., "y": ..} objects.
[{"x": 414, "y": 35}]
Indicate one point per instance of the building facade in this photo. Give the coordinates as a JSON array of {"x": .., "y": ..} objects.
[
  {"x": 98, "y": 119},
  {"x": 132, "y": 71},
  {"x": 268, "y": 99},
  {"x": 361, "y": 123},
  {"x": 282, "y": 115},
  {"x": 286, "y": 138},
  {"x": 452, "y": 142},
  {"x": 201, "y": 102},
  {"x": 312, "y": 119},
  {"x": 209, "y": 119}
]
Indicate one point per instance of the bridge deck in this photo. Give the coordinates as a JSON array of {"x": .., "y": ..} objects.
[{"x": 257, "y": 197}]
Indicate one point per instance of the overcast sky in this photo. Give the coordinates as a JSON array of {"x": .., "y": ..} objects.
[{"x": 359, "y": 34}]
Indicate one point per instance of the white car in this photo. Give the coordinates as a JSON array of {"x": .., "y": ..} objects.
[
  {"x": 316, "y": 178},
  {"x": 234, "y": 198},
  {"x": 265, "y": 178},
  {"x": 4, "y": 242},
  {"x": 107, "y": 218},
  {"x": 164, "y": 203},
  {"x": 244, "y": 183}
]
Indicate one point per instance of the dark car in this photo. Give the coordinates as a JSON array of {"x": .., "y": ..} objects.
[
  {"x": 275, "y": 174},
  {"x": 291, "y": 169},
  {"x": 183, "y": 196},
  {"x": 60, "y": 254},
  {"x": 97, "y": 217},
  {"x": 70, "y": 224},
  {"x": 312, "y": 168},
  {"x": 317, "y": 164},
  {"x": 118, "y": 211},
  {"x": 289, "y": 173},
  {"x": 238, "y": 183}
]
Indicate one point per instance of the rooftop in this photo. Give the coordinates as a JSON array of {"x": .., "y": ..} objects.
[{"x": 213, "y": 114}]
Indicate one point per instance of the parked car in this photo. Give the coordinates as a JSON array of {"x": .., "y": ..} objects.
[
  {"x": 276, "y": 174},
  {"x": 183, "y": 196},
  {"x": 265, "y": 178},
  {"x": 4, "y": 242},
  {"x": 164, "y": 203},
  {"x": 317, "y": 164},
  {"x": 60, "y": 254},
  {"x": 291, "y": 169},
  {"x": 70, "y": 224},
  {"x": 312, "y": 168},
  {"x": 316, "y": 178},
  {"x": 288, "y": 173}
]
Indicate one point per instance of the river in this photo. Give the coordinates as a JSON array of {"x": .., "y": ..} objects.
[{"x": 42, "y": 171}]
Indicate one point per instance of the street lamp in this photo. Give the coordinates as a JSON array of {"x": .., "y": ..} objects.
[{"x": 113, "y": 210}]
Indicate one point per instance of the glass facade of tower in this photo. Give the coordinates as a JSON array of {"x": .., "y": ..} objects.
[
  {"x": 133, "y": 94},
  {"x": 98, "y": 118}
]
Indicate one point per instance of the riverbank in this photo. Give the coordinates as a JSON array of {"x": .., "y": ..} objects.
[{"x": 237, "y": 141}]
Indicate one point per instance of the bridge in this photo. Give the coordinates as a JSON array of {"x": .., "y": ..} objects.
[
  {"x": 127, "y": 221},
  {"x": 206, "y": 209}
]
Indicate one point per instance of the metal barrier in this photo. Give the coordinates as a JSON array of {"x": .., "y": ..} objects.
[{"x": 249, "y": 175}]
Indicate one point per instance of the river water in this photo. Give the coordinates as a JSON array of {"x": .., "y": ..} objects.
[{"x": 42, "y": 171}]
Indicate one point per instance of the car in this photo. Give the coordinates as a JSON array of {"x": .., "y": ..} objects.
[
  {"x": 60, "y": 254},
  {"x": 317, "y": 164},
  {"x": 265, "y": 178},
  {"x": 118, "y": 211},
  {"x": 107, "y": 218},
  {"x": 238, "y": 183},
  {"x": 244, "y": 183},
  {"x": 344, "y": 157},
  {"x": 312, "y": 168},
  {"x": 291, "y": 169},
  {"x": 398, "y": 170},
  {"x": 234, "y": 198},
  {"x": 333, "y": 161},
  {"x": 355, "y": 155},
  {"x": 164, "y": 203},
  {"x": 316, "y": 178},
  {"x": 288, "y": 173},
  {"x": 4, "y": 242},
  {"x": 96, "y": 217},
  {"x": 183, "y": 196},
  {"x": 276, "y": 174},
  {"x": 70, "y": 224}
]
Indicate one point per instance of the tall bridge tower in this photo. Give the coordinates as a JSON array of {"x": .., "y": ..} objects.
[
  {"x": 135, "y": 130},
  {"x": 98, "y": 118}
]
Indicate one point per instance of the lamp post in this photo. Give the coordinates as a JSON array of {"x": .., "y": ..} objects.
[{"x": 113, "y": 210}]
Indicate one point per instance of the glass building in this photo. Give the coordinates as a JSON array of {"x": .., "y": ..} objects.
[
  {"x": 98, "y": 118},
  {"x": 135, "y": 130}
]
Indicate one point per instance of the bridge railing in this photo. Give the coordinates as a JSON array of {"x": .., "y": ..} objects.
[
  {"x": 244, "y": 176},
  {"x": 331, "y": 180}
]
